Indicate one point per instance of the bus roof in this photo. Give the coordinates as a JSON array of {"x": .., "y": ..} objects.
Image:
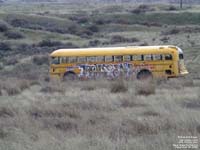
[{"x": 113, "y": 51}]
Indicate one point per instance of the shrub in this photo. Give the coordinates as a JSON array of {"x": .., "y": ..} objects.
[
  {"x": 100, "y": 22},
  {"x": 93, "y": 28},
  {"x": 94, "y": 43},
  {"x": 12, "y": 90},
  {"x": 142, "y": 9},
  {"x": 6, "y": 112},
  {"x": 131, "y": 103},
  {"x": 171, "y": 31},
  {"x": 18, "y": 22},
  {"x": 121, "y": 39},
  {"x": 11, "y": 61},
  {"x": 82, "y": 19},
  {"x": 145, "y": 88},
  {"x": 144, "y": 44},
  {"x": 49, "y": 43},
  {"x": 40, "y": 60},
  {"x": 151, "y": 113},
  {"x": 88, "y": 88},
  {"x": 4, "y": 46},
  {"x": 3, "y": 27},
  {"x": 171, "y": 8},
  {"x": 3, "y": 134},
  {"x": 118, "y": 87},
  {"x": 165, "y": 39},
  {"x": 52, "y": 87},
  {"x": 198, "y": 129},
  {"x": 14, "y": 35}
]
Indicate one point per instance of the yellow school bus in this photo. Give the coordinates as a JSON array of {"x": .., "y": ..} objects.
[{"x": 132, "y": 62}]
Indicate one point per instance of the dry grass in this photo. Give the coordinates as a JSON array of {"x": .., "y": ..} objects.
[
  {"x": 14, "y": 86},
  {"x": 90, "y": 110}
]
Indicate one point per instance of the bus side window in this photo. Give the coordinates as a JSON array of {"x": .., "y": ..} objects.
[
  {"x": 157, "y": 57},
  {"x": 108, "y": 58},
  {"x": 100, "y": 58},
  {"x": 127, "y": 58},
  {"x": 72, "y": 59},
  {"x": 138, "y": 57},
  {"x": 81, "y": 59},
  {"x": 168, "y": 57},
  {"x": 64, "y": 60},
  {"x": 92, "y": 59},
  {"x": 118, "y": 58},
  {"x": 148, "y": 57}
]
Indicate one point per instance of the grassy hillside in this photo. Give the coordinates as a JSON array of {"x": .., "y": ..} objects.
[{"x": 39, "y": 114}]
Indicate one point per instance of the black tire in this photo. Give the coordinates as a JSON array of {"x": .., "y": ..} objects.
[
  {"x": 144, "y": 75},
  {"x": 69, "y": 76}
]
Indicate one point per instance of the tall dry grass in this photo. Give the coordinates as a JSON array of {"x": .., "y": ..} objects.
[{"x": 88, "y": 115}]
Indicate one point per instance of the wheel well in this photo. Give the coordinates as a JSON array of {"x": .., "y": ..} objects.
[
  {"x": 144, "y": 71},
  {"x": 68, "y": 72}
]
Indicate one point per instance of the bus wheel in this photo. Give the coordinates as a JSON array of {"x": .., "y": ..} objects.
[
  {"x": 144, "y": 75},
  {"x": 69, "y": 76}
]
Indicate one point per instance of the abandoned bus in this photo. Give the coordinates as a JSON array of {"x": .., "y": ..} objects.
[{"x": 139, "y": 62}]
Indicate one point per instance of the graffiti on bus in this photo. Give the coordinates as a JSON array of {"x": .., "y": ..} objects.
[{"x": 109, "y": 71}]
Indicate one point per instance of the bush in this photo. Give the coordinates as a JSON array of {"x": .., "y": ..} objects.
[
  {"x": 144, "y": 44},
  {"x": 6, "y": 112},
  {"x": 14, "y": 35},
  {"x": 145, "y": 88},
  {"x": 10, "y": 61},
  {"x": 171, "y": 31},
  {"x": 118, "y": 87},
  {"x": 93, "y": 28},
  {"x": 4, "y": 46},
  {"x": 94, "y": 43},
  {"x": 40, "y": 60},
  {"x": 165, "y": 39},
  {"x": 88, "y": 88},
  {"x": 121, "y": 39},
  {"x": 171, "y": 8},
  {"x": 11, "y": 91},
  {"x": 49, "y": 43},
  {"x": 52, "y": 88},
  {"x": 18, "y": 22},
  {"x": 3, "y": 27},
  {"x": 142, "y": 9}
]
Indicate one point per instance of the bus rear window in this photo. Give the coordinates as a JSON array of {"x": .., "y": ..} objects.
[{"x": 181, "y": 56}]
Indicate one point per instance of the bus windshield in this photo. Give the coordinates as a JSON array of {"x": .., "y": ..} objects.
[{"x": 55, "y": 60}]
